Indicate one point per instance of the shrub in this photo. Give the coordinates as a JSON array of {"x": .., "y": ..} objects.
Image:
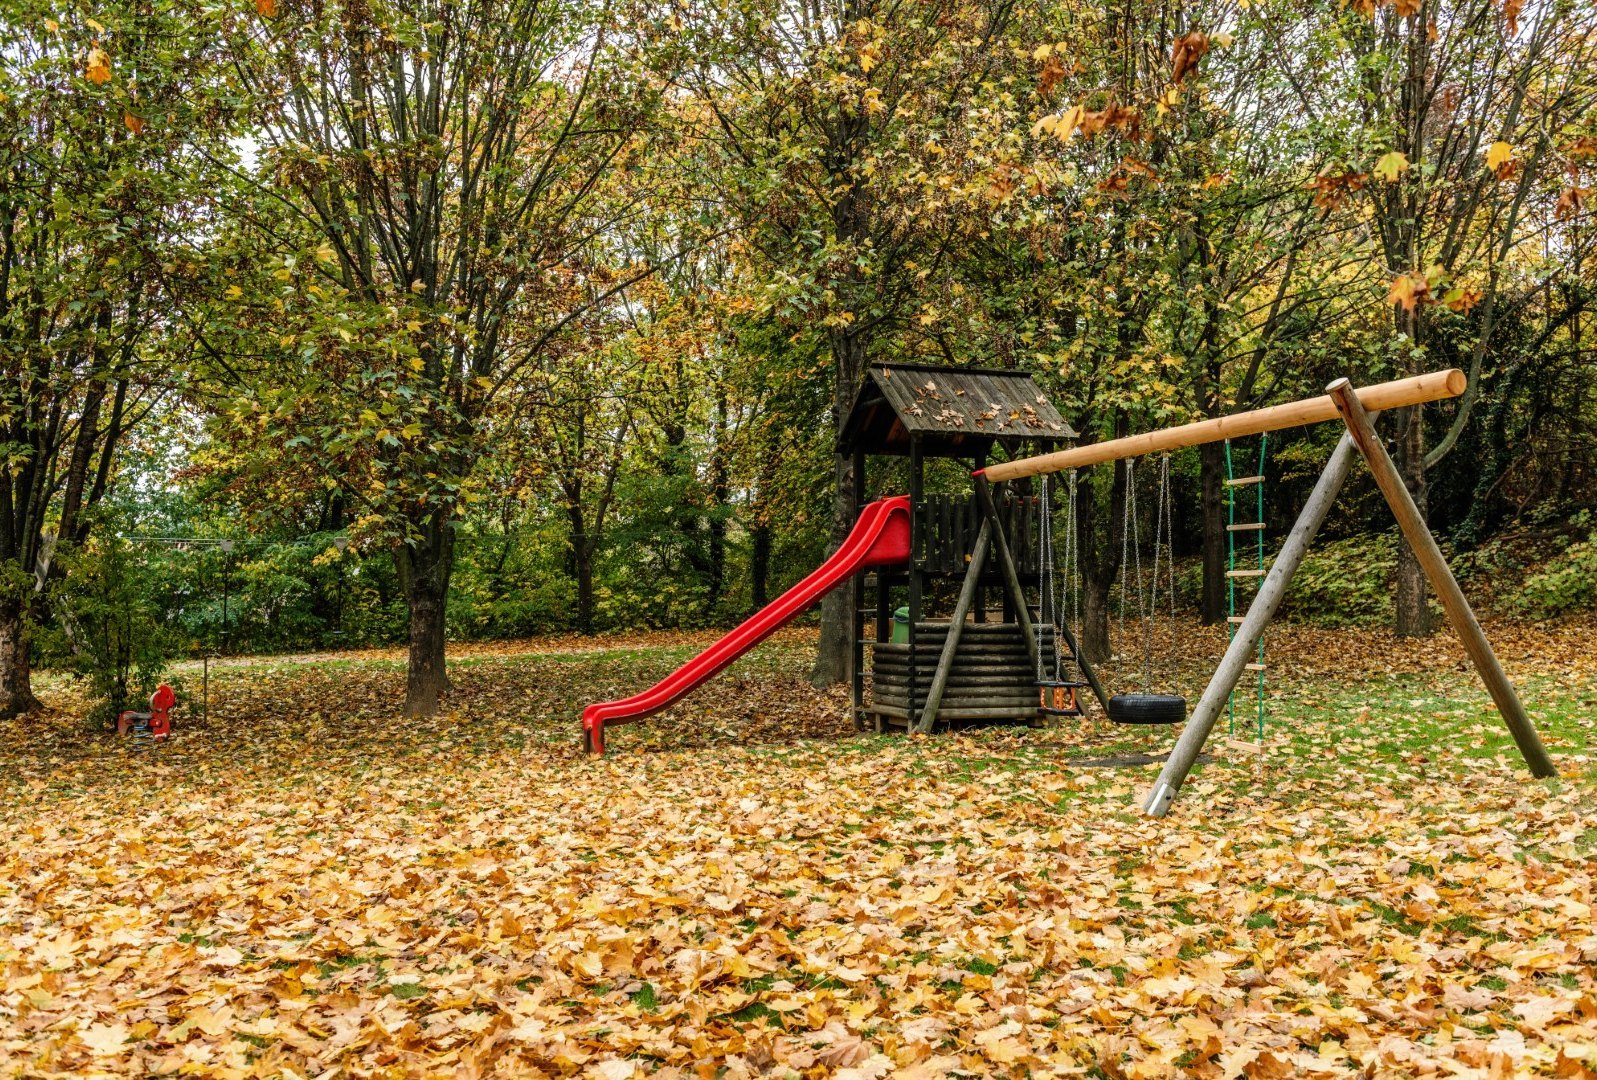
[
  {"x": 1565, "y": 582},
  {"x": 110, "y": 629}
]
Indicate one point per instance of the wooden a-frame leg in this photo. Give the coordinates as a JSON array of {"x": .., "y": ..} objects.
[
  {"x": 1243, "y": 643},
  {"x": 945, "y": 663},
  {"x": 1442, "y": 580}
]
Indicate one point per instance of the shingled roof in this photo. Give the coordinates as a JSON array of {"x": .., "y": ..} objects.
[{"x": 954, "y": 411}]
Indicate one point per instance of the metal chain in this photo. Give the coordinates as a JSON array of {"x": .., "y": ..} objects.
[
  {"x": 1163, "y": 537},
  {"x": 1131, "y": 536},
  {"x": 1045, "y": 568},
  {"x": 1073, "y": 561}
]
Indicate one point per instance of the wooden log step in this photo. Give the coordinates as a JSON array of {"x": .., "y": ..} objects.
[
  {"x": 1016, "y": 671},
  {"x": 897, "y": 713},
  {"x": 1247, "y": 526},
  {"x": 967, "y": 700},
  {"x": 957, "y": 680},
  {"x": 980, "y": 646},
  {"x": 1243, "y": 481},
  {"x": 963, "y": 662},
  {"x": 1245, "y": 573},
  {"x": 1235, "y": 620},
  {"x": 1254, "y": 667}
]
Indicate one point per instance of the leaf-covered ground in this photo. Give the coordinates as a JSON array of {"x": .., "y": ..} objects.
[{"x": 306, "y": 885}]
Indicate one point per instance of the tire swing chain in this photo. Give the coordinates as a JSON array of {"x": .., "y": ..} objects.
[{"x": 1147, "y": 707}]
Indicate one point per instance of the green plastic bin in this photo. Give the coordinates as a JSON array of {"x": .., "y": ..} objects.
[{"x": 900, "y": 626}]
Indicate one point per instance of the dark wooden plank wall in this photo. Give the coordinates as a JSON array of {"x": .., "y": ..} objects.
[{"x": 948, "y": 525}]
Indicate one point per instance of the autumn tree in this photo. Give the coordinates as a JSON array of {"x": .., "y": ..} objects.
[
  {"x": 443, "y": 170},
  {"x": 825, "y": 127},
  {"x": 1455, "y": 123},
  {"x": 103, "y": 124}
]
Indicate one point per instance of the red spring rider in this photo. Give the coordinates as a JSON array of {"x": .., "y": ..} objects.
[{"x": 155, "y": 724}]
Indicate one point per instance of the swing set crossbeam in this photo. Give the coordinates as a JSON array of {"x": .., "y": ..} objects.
[{"x": 1434, "y": 386}]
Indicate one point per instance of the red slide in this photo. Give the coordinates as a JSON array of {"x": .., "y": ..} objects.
[{"x": 880, "y": 538}]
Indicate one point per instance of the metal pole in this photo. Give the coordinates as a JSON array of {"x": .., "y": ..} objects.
[
  {"x": 1237, "y": 654},
  {"x": 227, "y": 567},
  {"x": 1442, "y": 580}
]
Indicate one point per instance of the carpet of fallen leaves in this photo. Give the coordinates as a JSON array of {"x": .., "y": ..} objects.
[{"x": 305, "y": 884}]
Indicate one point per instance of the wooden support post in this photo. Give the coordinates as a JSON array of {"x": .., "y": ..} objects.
[
  {"x": 1442, "y": 580},
  {"x": 1006, "y": 562},
  {"x": 917, "y": 556},
  {"x": 856, "y": 617},
  {"x": 945, "y": 663},
  {"x": 1246, "y": 639}
]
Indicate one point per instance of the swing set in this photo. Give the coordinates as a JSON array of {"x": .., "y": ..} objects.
[
  {"x": 1357, "y": 409},
  {"x": 1060, "y": 601},
  {"x": 996, "y": 657}
]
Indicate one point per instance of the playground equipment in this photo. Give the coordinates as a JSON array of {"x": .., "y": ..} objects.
[
  {"x": 983, "y": 669},
  {"x": 148, "y": 728},
  {"x": 985, "y": 659},
  {"x": 1145, "y": 706},
  {"x": 1244, "y": 544},
  {"x": 1355, "y": 408}
]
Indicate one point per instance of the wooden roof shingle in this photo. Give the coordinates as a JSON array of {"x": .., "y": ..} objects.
[{"x": 953, "y": 411}]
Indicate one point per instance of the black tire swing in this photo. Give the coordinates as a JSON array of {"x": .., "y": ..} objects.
[{"x": 1147, "y": 708}]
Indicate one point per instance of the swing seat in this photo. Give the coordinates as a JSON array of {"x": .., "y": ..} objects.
[
  {"x": 1057, "y": 697},
  {"x": 1147, "y": 709}
]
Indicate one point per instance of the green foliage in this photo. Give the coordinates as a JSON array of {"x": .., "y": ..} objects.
[
  {"x": 1345, "y": 582},
  {"x": 111, "y": 627},
  {"x": 1564, "y": 583}
]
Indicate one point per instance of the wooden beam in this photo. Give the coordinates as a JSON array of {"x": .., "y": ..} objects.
[
  {"x": 967, "y": 595},
  {"x": 1434, "y": 386},
  {"x": 1240, "y": 652},
  {"x": 1430, "y": 558}
]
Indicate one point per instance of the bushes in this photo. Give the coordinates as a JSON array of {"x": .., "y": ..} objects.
[
  {"x": 1565, "y": 582},
  {"x": 1345, "y": 581},
  {"x": 111, "y": 628}
]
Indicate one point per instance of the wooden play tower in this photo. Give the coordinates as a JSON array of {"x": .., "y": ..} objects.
[{"x": 970, "y": 646}]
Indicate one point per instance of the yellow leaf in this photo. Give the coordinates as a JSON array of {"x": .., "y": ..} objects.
[
  {"x": 104, "y": 1040},
  {"x": 1391, "y": 165},
  {"x": 1042, "y": 52},
  {"x": 1499, "y": 155},
  {"x": 98, "y": 67},
  {"x": 233, "y": 292},
  {"x": 94, "y": 25}
]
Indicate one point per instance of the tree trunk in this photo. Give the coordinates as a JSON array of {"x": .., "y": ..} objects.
[
  {"x": 1100, "y": 556},
  {"x": 1414, "y": 618},
  {"x": 760, "y": 565},
  {"x": 721, "y": 494},
  {"x": 583, "y": 554},
  {"x": 1211, "y": 469},
  {"x": 424, "y": 568},
  {"x": 16, "y": 668},
  {"x": 832, "y": 656}
]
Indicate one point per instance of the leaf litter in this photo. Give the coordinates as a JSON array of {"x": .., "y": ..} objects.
[{"x": 306, "y": 884}]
